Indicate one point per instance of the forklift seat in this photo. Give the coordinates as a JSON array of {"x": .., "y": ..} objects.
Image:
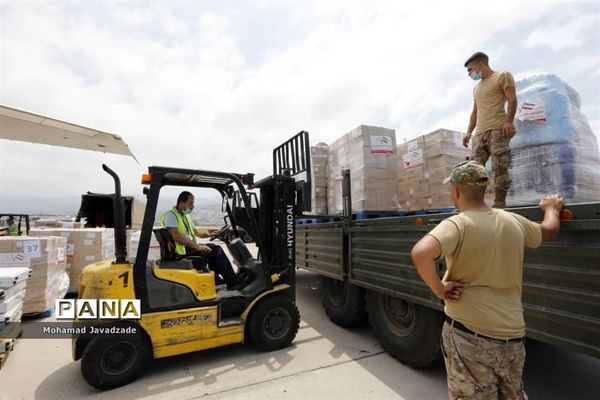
[{"x": 171, "y": 260}]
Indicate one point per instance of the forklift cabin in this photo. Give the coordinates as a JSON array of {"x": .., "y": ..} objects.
[{"x": 182, "y": 310}]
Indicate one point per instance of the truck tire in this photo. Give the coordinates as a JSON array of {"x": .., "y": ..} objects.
[
  {"x": 273, "y": 323},
  {"x": 110, "y": 362},
  {"x": 344, "y": 303},
  {"x": 409, "y": 332}
]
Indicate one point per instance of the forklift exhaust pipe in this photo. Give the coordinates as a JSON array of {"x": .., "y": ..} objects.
[{"x": 118, "y": 218}]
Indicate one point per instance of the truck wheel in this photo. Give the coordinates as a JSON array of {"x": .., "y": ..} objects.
[
  {"x": 273, "y": 323},
  {"x": 409, "y": 332},
  {"x": 344, "y": 303},
  {"x": 112, "y": 362}
]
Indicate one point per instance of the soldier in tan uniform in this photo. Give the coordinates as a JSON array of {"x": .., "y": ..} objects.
[
  {"x": 494, "y": 125},
  {"x": 482, "y": 338}
]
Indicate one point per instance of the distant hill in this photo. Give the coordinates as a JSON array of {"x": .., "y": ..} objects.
[{"x": 207, "y": 213}]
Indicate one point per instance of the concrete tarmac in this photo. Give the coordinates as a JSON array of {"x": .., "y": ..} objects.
[{"x": 324, "y": 362}]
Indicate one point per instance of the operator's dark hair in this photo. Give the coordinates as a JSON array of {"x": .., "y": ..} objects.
[
  {"x": 479, "y": 56},
  {"x": 184, "y": 196}
]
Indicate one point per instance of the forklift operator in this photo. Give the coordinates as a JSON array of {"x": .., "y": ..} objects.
[{"x": 178, "y": 221}]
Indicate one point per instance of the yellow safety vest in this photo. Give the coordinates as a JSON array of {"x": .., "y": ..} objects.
[
  {"x": 13, "y": 230},
  {"x": 184, "y": 224}
]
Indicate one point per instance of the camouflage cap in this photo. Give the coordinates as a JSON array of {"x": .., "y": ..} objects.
[{"x": 468, "y": 173}]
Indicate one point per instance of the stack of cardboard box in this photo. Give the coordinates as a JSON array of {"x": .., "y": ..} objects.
[
  {"x": 84, "y": 246},
  {"x": 370, "y": 154},
  {"x": 47, "y": 223},
  {"x": 12, "y": 292},
  {"x": 133, "y": 242},
  {"x": 424, "y": 162},
  {"x": 318, "y": 188},
  {"x": 55, "y": 223},
  {"x": 45, "y": 256}
]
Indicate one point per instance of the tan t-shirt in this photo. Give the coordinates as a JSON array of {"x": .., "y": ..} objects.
[
  {"x": 485, "y": 250},
  {"x": 490, "y": 99}
]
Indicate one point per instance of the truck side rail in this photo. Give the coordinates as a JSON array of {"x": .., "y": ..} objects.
[{"x": 561, "y": 279}]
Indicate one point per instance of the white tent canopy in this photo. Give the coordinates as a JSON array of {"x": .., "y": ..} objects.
[{"x": 28, "y": 127}]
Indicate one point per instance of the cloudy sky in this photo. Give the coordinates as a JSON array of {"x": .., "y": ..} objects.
[{"x": 218, "y": 84}]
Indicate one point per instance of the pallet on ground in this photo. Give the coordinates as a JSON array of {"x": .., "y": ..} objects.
[{"x": 38, "y": 315}]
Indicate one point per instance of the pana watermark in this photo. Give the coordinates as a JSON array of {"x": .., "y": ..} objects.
[{"x": 69, "y": 309}]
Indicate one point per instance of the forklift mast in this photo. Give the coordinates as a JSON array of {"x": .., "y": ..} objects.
[{"x": 283, "y": 196}]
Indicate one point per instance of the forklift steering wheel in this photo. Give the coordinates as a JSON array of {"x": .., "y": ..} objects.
[{"x": 222, "y": 234}]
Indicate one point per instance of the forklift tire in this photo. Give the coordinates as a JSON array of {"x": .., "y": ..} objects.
[
  {"x": 273, "y": 323},
  {"x": 110, "y": 362},
  {"x": 343, "y": 302},
  {"x": 409, "y": 332}
]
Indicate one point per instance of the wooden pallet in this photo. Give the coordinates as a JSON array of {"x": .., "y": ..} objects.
[
  {"x": 38, "y": 315},
  {"x": 6, "y": 346},
  {"x": 3, "y": 357}
]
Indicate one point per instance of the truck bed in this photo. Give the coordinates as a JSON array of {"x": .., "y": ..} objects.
[{"x": 561, "y": 279}]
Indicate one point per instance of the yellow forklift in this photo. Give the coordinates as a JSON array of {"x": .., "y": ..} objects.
[{"x": 182, "y": 308}]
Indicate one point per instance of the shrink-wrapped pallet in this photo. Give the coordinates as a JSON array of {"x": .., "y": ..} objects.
[
  {"x": 12, "y": 293},
  {"x": 370, "y": 154},
  {"x": 133, "y": 243},
  {"x": 45, "y": 256},
  {"x": 13, "y": 281},
  {"x": 554, "y": 150},
  {"x": 424, "y": 163},
  {"x": 55, "y": 223},
  {"x": 318, "y": 190},
  {"x": 85, "y": 246}
]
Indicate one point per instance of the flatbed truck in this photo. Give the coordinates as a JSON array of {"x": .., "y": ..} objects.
[{"x": 366, "y": 274}]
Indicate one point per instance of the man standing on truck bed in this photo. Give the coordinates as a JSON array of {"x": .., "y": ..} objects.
[
  {"x": 494, "y": 125},
  {"x": 482, "y": 338}
]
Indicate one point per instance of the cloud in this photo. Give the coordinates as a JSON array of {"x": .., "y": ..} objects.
[
  {"x": 565, "y": 35},
  {"x": 219, "y": 85}
]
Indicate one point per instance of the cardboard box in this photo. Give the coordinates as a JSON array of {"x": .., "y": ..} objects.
[
  {"x": 45, "y": 257},
  {"x": 84, "y": 246},
  {"x": 424, "y": 163},
  {"x": 319, "y": 178},
  {"x": 370, "y": 154}
]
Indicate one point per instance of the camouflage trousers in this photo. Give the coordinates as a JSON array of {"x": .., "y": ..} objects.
[
  {"x": 493, "y": 143},
  {"x": 480, "y": 368}
]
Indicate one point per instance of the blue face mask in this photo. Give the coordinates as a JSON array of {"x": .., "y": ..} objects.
[
  {"x": 475, "y": 75},
  {"x": 187, "y": 211}
]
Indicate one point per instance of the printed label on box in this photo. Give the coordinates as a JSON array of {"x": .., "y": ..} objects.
[
  {"x": 90, "y": 235},
  {"x": 414, "y": 157},
  {"x": 90, "y": 258},
  {"x": 532, "y": 111},
  {"x": 13, "y": 259},
  {"x": 32, "y": 249},
  {"x": 70, "y": 249},
  {"x": 382, "y": 145},
  {"x": 60, "y": 254},
  {"x": 88, "y": 242}
]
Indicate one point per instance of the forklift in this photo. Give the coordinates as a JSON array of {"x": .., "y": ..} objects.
[{"x": 183, "y": 310}]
